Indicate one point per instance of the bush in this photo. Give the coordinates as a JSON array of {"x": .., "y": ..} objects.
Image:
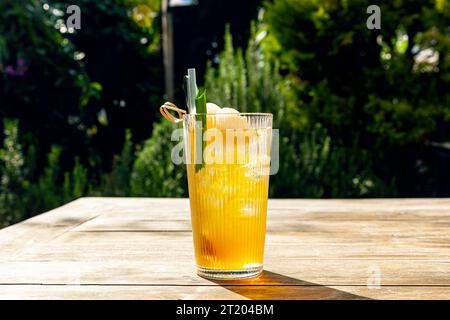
[
  {"x": 154, "y": 174},
  {"x": 117, "y": 183},
  {"x": 384, "y": 89},
  {"x": 251, "y": 82},
  {"x": 22, "y": 196},
  {"x": 80, "y": 89},
  {"x": 70, "y": 123},
  {"x": 40, "y": 81},
  {"x": 11, "y": 175},
  {"x": 312, "y": 164},
  {"x": 48, "y": 192}
]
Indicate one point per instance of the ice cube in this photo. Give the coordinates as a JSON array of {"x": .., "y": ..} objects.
[
  {"x": 212, "y": 108},
  {"x": 247, "y": 208},
  {"x": 258, "y": 167},
  {"x": 229, "y": 118}
]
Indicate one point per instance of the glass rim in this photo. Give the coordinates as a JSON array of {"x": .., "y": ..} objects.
[{"x": 263, "y": 114}]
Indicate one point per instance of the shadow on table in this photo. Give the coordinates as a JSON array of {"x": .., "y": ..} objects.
[{"x": 274, "y": 286}]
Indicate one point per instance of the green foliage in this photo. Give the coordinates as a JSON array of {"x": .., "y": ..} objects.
[
  {"x": 252, "y": 83},
  {"x": 11, "y": 175},
  {"x": 312, "y": 164},
  {"x": 355, "y": 78},
  {"x": 79, "y": 178},
  {"x": 62, "y": 111},
  {"x": 118, "y": 182},
  {"x": 384, "y": 89},
  {"x": 151, "y": 174},
  {"x": 56, "y": 97},
  {"x": 49, "y": 193},
  {"x": 154, "y": 174},
  {"x": 67, "y": 187},
  {"x": 28, "y": 35},
  {"x": 302, "y": 164},
  {"x": 20, "y": 195},
  {"x": 53, "y": 187},
  {"x": 75, "y": 184}
]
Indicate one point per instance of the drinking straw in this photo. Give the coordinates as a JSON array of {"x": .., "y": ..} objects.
[
  {"x": 185, "y": 89},
  {"x": 191, "y": 90}
]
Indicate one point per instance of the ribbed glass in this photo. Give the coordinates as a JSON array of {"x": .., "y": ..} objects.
[{"x": 228, "y": 191}]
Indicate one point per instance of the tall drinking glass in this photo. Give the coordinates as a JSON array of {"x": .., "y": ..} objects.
[{"x": 228, "y": 179}]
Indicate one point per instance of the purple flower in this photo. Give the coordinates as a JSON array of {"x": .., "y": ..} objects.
[
  {"x": 19, "y": 71},
  {"x": 10, "y": 70}
]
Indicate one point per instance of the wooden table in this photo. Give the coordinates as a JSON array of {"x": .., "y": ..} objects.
[{"x": 128, "y": 248}]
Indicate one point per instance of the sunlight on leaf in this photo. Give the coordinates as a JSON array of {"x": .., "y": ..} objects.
[
  {"x": 143, "y": 15},
  {"x": 402, "y": 42}
]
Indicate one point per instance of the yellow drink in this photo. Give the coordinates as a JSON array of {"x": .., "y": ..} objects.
[{"x": 228, "y": 199}]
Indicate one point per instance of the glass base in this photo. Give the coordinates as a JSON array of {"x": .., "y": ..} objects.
[{"x": 229, "y": 274}]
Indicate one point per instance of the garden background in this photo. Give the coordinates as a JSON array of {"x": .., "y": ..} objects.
[{"x": 362, "y": 113}]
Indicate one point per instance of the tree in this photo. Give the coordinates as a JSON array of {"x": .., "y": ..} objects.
[{"x": 384, "y": 89}]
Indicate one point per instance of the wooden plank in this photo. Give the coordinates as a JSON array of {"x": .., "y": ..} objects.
[
  {"x": 167, "y": 271},
  {"x": 301, "y": 246},
  {"x": 46, "y": 226},
  {"x": 120, "y": 247},
  {"x": 219, "y": 292}
]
